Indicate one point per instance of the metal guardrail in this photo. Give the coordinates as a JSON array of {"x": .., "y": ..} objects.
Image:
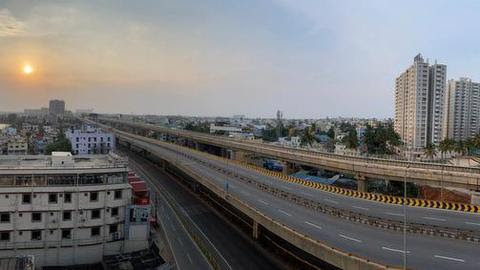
[{"x": 358, "y": 261}]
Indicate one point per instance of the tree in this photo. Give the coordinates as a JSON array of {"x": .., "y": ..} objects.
[
  {"x": 382, "y": 139},
  {"x": 331, "y": 133},
  {"x": 430, "y": 151},
  {"x": 447, "y": 145},
  {"x": 61, "y": 145},
  {"x": 351, "y": 140},
  {"x": 460, "y": 148},
  {"x": 308, "y": 136}
]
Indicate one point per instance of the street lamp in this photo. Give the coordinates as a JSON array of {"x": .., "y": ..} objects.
[{"x": 405, "y": 218}]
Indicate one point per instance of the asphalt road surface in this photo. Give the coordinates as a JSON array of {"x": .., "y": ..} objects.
[{"x": 384, "y": 246}]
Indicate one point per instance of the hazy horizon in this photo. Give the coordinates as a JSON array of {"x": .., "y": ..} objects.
[{"x": 309, "y": 59}]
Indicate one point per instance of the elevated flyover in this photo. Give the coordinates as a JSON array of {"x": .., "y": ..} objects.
[
  {"x": 336, "y": 240},
  {"x": 363, "y": 168}
]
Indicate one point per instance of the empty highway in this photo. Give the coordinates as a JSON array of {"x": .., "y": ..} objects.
[{"x": 384, "y": 246}]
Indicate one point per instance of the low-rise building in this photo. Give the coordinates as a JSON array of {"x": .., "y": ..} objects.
[
  {"x": 67, "y": 210},
  {"x": 90, "y": 140},
  {"x": 17, "y": 146}
]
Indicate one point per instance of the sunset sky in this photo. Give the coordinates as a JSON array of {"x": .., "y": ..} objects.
[{"x": 309, "y": 58}]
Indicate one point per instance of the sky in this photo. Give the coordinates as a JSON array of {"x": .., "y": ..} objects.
[{"x": 307, "y": 58}]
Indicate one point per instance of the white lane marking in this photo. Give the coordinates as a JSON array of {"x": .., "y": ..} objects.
[
  {"x": 285, "y": 213},
  {"x": 314, "y": 225},
  {"x": 189, "y": 258},
  {"x": 449, "y": 258},
  {"x": 394, "y": 214},
  {"x": 180, "y": 241},
  {"x": 395, "y": 250},
  {"x": 262, "y": 201},
  {"x": 350, "y": 238},
  {"x": 472, "y": 223},
  {"x": 361, "y": 208},
  {"x": 331, "y": 201},
  {"x": 434, "y": 218},
  {"x": 287, "y": 188}
]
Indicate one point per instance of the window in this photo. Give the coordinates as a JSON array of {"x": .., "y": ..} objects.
[
  {"x": 95, "y": 214},
  {"x": 52, "y": 198},
  {"x": 113, "y": 228},
  {"x": 5, "y": 217},
  {"x": 108, "y": 138},
  {"x": 4, "y": 236},
  {"x": 27, "y": 198},
  {"x": 36, "y": 217},
  {"x": 118, "y": 194},
  {"x": 37, "y": 235},
  {"x": 67, "y": 215},
  {"x": 66, "y": 233},
  {"x": 67, "y": 198},
  {"x": 94, "y": 196},
  {"x": 114, "y": 212},
  {"x": 95, "y": 231}
]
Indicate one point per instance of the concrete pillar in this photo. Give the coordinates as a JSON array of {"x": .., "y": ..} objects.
[
  {"x": 239, "y": 156},
  {"x": 288, "y": 167},
  {"x": 361, "y": 183},
  {"x": 255, "y": 231}
]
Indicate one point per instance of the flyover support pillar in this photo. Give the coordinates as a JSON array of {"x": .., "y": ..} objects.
[
  {"x": 255, "y": 232},
  {"x": 239, "y": 156},
  {"x": 288, "y": 168},
  {"x": 361, "y": 183}
]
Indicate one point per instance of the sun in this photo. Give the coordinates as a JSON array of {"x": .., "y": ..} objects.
[{"x": 27, "y": 69}]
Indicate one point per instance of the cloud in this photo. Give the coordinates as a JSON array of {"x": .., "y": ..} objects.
[{"x": 9, "y": 25}]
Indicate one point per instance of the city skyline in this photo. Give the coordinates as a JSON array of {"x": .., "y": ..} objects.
[{"x": 309, "y": 59}]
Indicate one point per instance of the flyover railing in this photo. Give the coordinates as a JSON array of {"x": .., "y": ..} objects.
[{"x": 274, "y": 150}]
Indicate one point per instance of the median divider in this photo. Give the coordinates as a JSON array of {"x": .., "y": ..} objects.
[
  {"x": 414, "y": 202},
  {"x": 463, "y": 207}
]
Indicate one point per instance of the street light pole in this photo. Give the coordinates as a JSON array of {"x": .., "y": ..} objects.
[{"x": 405, "y": 218}]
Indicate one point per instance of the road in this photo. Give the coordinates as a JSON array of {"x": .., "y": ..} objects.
[
  {"x": 384, "y": 246},
  {"x": 186, "y": 253},
  {"x": 239, "y": 251},
  {"x": 375, "y": 168}
]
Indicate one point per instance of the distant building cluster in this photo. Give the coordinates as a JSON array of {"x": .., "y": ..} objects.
[{"x": 428, "y": 110}]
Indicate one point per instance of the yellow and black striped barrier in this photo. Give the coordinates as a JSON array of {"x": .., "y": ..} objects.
[
  {"x": 371, "y": 196},
  {"x": 463, "y": 207}
]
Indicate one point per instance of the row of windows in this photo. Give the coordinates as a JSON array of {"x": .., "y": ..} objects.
[
  {"x": 36, "y": 235},
  {"x": 67, "y": 197},
  {"x": 109, "y": 139},
  {"x": 5, "y": 217},
  {"x": 91, "y": 145}
]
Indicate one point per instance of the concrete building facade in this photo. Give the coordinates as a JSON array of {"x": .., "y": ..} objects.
[
  {"x": 65, "y": 210},
  {"x": 57, "y": 107},
  {"x": 419, "y": 104},
  {"x": 463, "y": 112},
  {"x": 90, "y": 140}
]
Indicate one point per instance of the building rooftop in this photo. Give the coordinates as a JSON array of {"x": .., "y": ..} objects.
[{"x": 49, "y": 162}]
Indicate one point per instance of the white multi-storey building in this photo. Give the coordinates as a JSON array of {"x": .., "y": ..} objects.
[
  {"x": 463, "y": 109},
  {"x": 67, "y": 210},
  {"x": 419, "y": 104},
  {"x": 90, "y": 140}
]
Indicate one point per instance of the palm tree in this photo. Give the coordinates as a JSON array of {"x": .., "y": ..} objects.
[
  {"x": 445, "y": 146},
  {"x": 460, "y": 148},
  {"x": 430, "y": 151},
  {"x": 469, "y": 145}
]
